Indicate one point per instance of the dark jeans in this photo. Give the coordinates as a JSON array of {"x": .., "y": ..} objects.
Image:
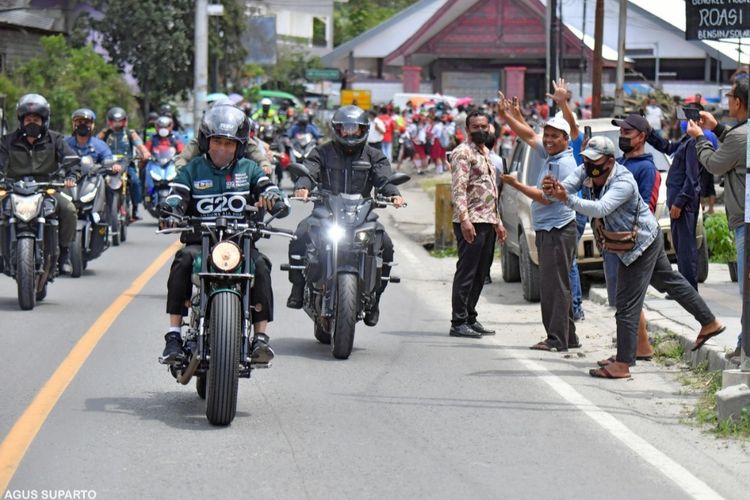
[
  {"x": 683, "y": 237},
  {"x": 136, "y": 191},
  {"x": 556, "y": 249},
  {"x": 474, "y": 261},
  {"x": 652, "y": 267},
  {"x": 67, "y": 218},
  {"x": 179, "y": 284},
  {"x": 576, "y": 291}
]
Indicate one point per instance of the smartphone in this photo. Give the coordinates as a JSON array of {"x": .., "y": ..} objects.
[
  {"x": 692, "y": 114},
  {"x": 586, "y": 133}
]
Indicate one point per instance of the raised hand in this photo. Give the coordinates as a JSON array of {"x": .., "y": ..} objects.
[{"x": 560, "y": 94}]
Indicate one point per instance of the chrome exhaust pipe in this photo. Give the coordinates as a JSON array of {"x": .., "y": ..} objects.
[{"x": 185, "y": 376}]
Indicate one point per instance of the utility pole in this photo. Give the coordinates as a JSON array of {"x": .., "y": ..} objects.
[
  {"x": 551, "y": 45},
  {"x": 596, "y": 78},
  {"x": 619, "y": 89},
  {"x": 200, "y": 84},
  {"x": 582, "y": 65}
]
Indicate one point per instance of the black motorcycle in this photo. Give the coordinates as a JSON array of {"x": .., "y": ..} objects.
[
  {"x": 29, "y": 234},
  {"x": 218, "y": 339},
  {"x": 344, "y": 264},
  {"x": 89, "y": 196}
]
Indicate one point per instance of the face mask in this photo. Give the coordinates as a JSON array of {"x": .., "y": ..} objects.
[
  {"x": 33, "y": 130},
  {"x": 594, "y": 170},
  {"x": 163, "y": 132},
  {"x": 625, "y": 145},
  {"x": 83, "y": 130},
  {"x": 479, "y": 137}
]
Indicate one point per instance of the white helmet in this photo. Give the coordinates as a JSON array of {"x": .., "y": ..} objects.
[{"x": 265, "y": 101}]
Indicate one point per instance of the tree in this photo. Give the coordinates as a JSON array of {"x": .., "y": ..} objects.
[
  {"x": 226, "y": 52},
  {"x": 69, "y": 78},
  {"x": 353, "y": 18},
  {"x": 289, "y": 72},
  {"x": 154, "y": 38}
]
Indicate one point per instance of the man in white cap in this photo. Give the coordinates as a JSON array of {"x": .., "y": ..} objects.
[{"x": 554, "y": 224}]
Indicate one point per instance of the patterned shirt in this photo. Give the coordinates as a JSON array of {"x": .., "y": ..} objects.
[{"x": 473, "y": 184}]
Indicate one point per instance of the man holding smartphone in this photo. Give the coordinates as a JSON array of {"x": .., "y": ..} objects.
[{"x": 683, "y": 195}]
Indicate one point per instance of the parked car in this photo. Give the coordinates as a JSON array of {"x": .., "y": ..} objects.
[{"x": 520, "y": 261}]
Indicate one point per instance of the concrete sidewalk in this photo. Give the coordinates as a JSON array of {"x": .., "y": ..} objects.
[{"x": 719, "y": 292}]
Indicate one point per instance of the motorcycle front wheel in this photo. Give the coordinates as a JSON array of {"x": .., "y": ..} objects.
[
  {"x": 26, "y": 273},
  {"x": 75, "y": 252},
  {"x": 225, "y": 332},
  {"x": 346, "y": 316}
]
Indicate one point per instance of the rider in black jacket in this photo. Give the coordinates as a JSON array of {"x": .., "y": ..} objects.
[{"x": 345, "y": 165}]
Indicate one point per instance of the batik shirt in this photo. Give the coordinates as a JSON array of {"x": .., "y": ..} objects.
[{"x": 473, "y": 184}]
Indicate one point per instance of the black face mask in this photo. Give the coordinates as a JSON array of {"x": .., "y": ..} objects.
[
  {"x": 479, "y": 137},
  {"x": 83, "y": 130},
  {"x": 594, "y": 170},
  {"x": 33, "y": 130},
  {"x": 625, "y": 144}
]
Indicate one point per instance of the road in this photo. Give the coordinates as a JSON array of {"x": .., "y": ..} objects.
[{"x": 413, "y": 413}]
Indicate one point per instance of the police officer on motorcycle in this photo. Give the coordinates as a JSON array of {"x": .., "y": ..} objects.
[
  {"x": 221, "y": 168},
  {"x": 125, "y": 141},
  {"x": 345, "y": 165},
  {"x": 34, "y": 150}
]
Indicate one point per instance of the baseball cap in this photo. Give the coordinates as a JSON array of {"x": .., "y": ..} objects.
[
  {"x": 597, "y": 147},
  {"x": 633, "y": 121},
  {"x": 559, "y": 123}
]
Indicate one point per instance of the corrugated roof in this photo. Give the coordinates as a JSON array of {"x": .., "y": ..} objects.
[{"x": 28, "y": 20}]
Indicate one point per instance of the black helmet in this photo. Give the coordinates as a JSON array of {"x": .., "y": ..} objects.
[
  {"x": 83, "y": 113},
  {"x": 350, "y": 127},
  {"x": 116, "y": 114},
  {"x": 33, "y": 104},
  {"x": 165, "y": 110},
  {"x": 153, "y": 116},
  {"x": 224, "y": 121}
]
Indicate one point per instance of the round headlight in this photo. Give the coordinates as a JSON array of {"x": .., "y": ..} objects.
[{"x": 226, "y": 256}]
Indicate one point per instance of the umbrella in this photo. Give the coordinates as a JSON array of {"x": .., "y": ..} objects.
[
  {"x": 464, "y": 101},
  {"x": 236, "y": 98},
  {"x": 215, "y": 96}
]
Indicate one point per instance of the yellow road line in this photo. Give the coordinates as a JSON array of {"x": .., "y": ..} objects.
[{"x": 23, "y": 432}]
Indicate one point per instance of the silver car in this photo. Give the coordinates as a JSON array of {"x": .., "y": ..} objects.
[{"x": 520, "y": 260}]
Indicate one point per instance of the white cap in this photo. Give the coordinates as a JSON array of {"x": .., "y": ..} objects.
[{"x": 559, "y": 123}]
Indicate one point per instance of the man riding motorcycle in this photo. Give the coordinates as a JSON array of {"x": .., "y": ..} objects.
[
  {"x": 220, "y": 169},
  {"x": 164, "y": 136},
  {"x": 265, "y": 114},
  {"x": 124, "y": 141},
  {"x": 34, "y": 150},
  {"x": 347, "y": 157},
  {"x": 304, "y": 126}
]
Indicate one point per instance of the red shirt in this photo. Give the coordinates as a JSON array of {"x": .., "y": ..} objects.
[
  {"x": 170, "y": 141},
  {"x": 389, "y": 126}
]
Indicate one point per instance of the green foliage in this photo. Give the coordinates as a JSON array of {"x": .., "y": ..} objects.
[
  {"x": 720, "y": 239},
  {"x": 225, "y": 44},
  {"x": 289, "y": 72},
  {"x": 708, "y": 383},
  {"x": 354, "y": 17},
  {"x": 68, "y": 78},
  {"x": 447, "y": 252}
]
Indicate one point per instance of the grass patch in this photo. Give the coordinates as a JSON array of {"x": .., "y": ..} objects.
[
  {"x": 707, "y": 383},
  {"x": 667, "y": 347},
  {"x": 447, "y": 252},
  {"x": 428, "y": 183}
]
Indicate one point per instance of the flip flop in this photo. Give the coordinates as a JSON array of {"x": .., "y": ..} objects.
[
  {"x": 702, "y": 339},
  {"x": 541, "y": 346},
  {"x": 604, "y": 373},
  {"x": 605, "y": 362}
]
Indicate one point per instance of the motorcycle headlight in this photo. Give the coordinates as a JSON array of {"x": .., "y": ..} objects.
[
  {"x": 26, "y": 207},
  {"x": 155, "y": 175},
  {"x": 336, "y": 233},
  {"x": 171, "y": 175},
  {"x": 226, "y": 256},
  {"x": 88, "y": 196},
  {"x": 362, "y": 236}
]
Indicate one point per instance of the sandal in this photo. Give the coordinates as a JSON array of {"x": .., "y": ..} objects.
[
  {"x": 603, "y": 372},
  {"x": 541, "y": 346},
  {"x": 702, "y": 339},
  {"x": 612, "y": 359}
]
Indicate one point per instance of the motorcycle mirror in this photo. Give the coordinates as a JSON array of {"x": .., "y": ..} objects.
[
  {"x": 71, "y": 161},
  {"x": 505, "y": 165},
  {"x": 299, "y": 170},
  {"x": 398, "y": 178}
]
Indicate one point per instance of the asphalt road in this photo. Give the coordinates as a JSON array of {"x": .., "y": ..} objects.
[{"x": 413, "y": 413}]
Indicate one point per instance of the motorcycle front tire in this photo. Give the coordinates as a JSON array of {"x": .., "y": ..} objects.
[
  {"x": 225, "y": 333},
  {"x": 75, "y": 252},
  {"x": 346, "y": 316},
  {"x": 26, "y": 273}
]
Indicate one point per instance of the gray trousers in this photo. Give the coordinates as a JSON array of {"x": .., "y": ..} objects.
[
  {"x": 652, "y": 267},
  {"x": 556, "y": 250}
]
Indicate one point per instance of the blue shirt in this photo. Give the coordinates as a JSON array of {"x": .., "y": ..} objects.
[
  {"x": 311, "y": 129},
  {"x": 646, "y": 176},
  {"x": 683, "y": 181},
  {"x": 96, "y": 148},
  {"x": 555, "y": 215}
]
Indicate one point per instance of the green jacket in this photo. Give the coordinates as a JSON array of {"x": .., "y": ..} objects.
[{"x": 202, "y": 190}]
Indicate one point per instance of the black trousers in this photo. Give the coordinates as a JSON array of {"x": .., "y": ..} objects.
[
  {"x": 556, "y": 249},
  {"x": 474, "y": 261},
  {"x": 683, "y": 237},
  {"x": 298, "y": 250},
  {"x": 179, "y": 285}
]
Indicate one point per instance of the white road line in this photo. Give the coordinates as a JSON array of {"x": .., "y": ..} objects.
[{"x": 683, "y": 478}]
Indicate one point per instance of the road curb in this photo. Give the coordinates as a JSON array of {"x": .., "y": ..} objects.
[{"x": 658, "y": 323}]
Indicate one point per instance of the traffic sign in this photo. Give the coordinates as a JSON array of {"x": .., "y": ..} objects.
[{"x": 315, "y": 74}]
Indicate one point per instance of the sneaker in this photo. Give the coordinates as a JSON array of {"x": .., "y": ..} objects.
[
  {"x": 63, "y": 261},
  {"x": 373, "y": 315},
  {"x": 261, "y": 350},
  {"x": 296, "y": 297},
  {"x": 172, "y": 349}
]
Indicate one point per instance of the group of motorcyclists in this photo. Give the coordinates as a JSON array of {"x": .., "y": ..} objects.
[{"x": 220, "y": 173}]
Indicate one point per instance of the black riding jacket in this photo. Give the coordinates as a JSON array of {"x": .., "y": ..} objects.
[{"x": 355, "y": 173}]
